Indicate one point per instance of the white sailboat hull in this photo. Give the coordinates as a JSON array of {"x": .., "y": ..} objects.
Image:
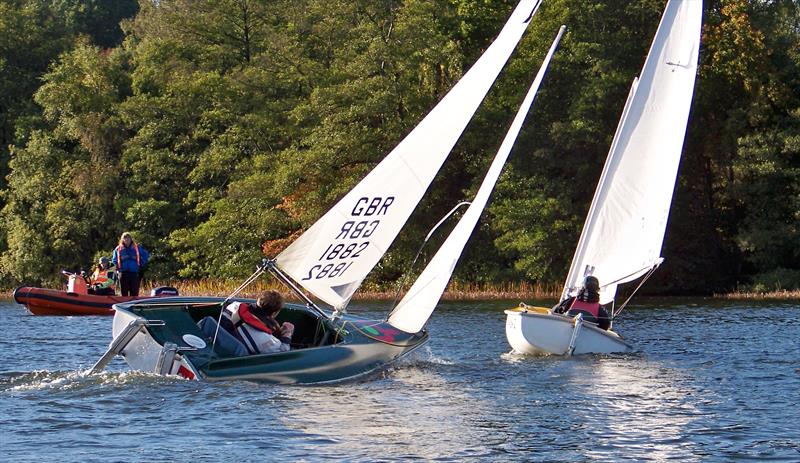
[{"x": 535, "y": 330}]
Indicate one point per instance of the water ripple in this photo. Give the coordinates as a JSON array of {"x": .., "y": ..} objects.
[{"x": 709, "y": 381}]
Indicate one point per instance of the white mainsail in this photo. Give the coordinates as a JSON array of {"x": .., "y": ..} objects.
[
  {"x": 418, "y": 304},
  {"x": 333, "y": 257},
  {"x": 624, "y": 230}
]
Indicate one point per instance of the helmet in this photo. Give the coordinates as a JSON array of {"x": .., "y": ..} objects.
[
  {"x": 591, "y": 284},
  {"x": 104, "y": 262},
  {"x": 591, "y": 290}
]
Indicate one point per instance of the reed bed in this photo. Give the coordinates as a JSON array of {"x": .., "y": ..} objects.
[
  {"x": 455, "y": 290},
  {"x": 782, "y": 294}
]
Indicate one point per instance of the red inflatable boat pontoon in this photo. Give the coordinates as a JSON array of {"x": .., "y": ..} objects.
[
  {"x": 42, "y": 301},
  {"x": 76, "y": 300}
]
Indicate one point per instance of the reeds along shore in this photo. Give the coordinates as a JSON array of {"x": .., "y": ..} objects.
[{"x": 455, "y": 291}]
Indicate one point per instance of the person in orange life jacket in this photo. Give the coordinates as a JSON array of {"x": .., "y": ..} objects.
[
  {"x": 130, "y": 259},
  {"x": 255, "y": 325},
  {"x": 587, "y": 303},
  {"x": 103, "y": 281}
]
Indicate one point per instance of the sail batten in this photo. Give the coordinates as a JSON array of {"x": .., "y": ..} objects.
[
  {"x": 413, "y": 311},
  {"x": 332, "y": 258},
  {"x": 625, "y": 226}
]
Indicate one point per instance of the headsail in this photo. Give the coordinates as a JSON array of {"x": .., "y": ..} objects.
[
  {"x": 333, "y": 257},
  {"x": 416, "y": 307},
  {"x": 624, "y": 230}
]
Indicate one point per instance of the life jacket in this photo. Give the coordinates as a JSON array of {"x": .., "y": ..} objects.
[
  {"x": 256, "y": 336},
  {"x": 590, "y": 310},
  {"x": 125, "y": 256},
  {"x": 104, "y": 278}
]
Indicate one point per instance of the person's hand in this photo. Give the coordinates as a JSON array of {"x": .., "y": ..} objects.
[{"x": 287, "y": 330}]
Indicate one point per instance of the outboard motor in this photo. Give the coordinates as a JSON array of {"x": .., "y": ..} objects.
[{"x": 164, "y": 291}]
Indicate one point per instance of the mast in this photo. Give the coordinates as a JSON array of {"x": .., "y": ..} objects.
[
  {"x": 332, "y": 258},
  {"x": 416, "y": 307},
  {"x": 624, "y": 229}
]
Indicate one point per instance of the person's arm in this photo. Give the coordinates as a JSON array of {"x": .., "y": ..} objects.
[
  {"x": 564, "y": 305},
  {"x": 285, "y": 336},
  {"x": 109, "y": 281}
]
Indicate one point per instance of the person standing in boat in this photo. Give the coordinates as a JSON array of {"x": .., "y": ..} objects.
[
  {"x": 130, "y": 259},
  {"x": 587, "y": 303},
  {"x": 103, "y": 281},
  {"x": 255, "y": 325}
]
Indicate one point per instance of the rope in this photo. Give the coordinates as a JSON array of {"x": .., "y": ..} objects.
[
  {"x": 624, "y": 304},
  {"x": 413, "y": 262},
  {"x": 252, "y": 278}
]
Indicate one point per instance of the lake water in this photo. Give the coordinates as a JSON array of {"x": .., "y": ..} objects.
[{"x": 710, "y": 381}]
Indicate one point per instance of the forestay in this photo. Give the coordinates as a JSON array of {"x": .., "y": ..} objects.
[
  {"x": 333, "y": 257},
  {"x": 416, "y": 307},
  {"x": 624, "y": 230}
]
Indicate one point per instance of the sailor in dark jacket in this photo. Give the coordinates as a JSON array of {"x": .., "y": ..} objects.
[{"x": 587, "y": 303}]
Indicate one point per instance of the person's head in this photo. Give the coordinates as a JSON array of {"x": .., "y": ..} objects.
[
  {"x": 270, "y": 302},
  {"x": 591, "y": 289},
  {"x": 103, "y": 263},
  {"x": 126, "y": 239}
]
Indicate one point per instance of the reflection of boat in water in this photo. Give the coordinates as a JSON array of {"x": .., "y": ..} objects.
[
  {"x": 75, "y": 300},
  {"x": 333, "y": 257},
  {"x": 622, "y": 237},
  {"x": 393, "y": 415}
]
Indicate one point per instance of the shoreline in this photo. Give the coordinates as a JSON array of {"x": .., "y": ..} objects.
[{"x": 456, "y": 291}]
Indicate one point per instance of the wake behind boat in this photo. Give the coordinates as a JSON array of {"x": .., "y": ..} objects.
[
  {"x": 624, "y": 231},
  {"x": 333, "y": 257}
]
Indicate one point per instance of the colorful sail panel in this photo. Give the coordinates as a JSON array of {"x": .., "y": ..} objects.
[
  {"x": 418, "y": 304},
  {"x": 332, "y": 258},
  {"x": 624, "y": 230}
]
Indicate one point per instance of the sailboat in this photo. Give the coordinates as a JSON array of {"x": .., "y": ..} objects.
[
  {"x": 332, "y": 258},
  {"x": 623, "y": 234}
]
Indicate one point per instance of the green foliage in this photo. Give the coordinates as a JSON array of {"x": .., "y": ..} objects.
[
  {"x": 775, "y": 280},
  {"x": 218, "y": 131},
  {"x": 543, "y": 198}
]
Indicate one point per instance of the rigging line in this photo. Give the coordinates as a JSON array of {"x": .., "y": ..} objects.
[
  {"x": 250, "y": 279},
  {"x": 270, "y": 265},
  {"x": 651, "y": 266},
  {"x": 410, "y": 267},
  {"x": 624, "y": 304}
]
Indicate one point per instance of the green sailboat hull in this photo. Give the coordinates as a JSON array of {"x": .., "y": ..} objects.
[{"x": 169, "y": 341}]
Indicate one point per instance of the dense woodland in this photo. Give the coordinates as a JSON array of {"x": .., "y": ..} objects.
[{"x": 216, "y": 131}]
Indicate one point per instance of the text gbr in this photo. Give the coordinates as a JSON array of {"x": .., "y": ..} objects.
[{"x": 352, "y": 238}]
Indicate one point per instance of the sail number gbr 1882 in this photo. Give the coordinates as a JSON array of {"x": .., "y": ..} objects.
[{"x": 352, "y": 238}]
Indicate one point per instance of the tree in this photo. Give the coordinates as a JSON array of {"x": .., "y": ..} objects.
[{"x": 60, "y": 198}]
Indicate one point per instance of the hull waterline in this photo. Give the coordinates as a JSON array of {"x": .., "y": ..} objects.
[{"x": 535, "y": 330}]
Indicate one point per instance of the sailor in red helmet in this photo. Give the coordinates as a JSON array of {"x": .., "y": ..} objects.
[
  {"x": 255, "y": 324},
  {"x": 587, "y": 303}
]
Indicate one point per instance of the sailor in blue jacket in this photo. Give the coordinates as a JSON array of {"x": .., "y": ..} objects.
[{"x": 130, "y": 259}]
